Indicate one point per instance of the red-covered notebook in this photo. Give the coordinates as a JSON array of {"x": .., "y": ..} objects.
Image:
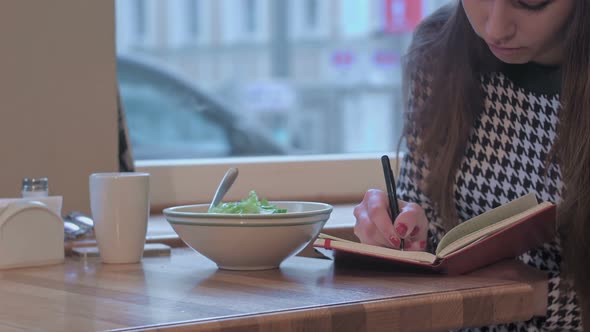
[{"x": 504, "y": 232}]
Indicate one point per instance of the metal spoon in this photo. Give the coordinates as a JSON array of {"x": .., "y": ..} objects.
[{"x": 228, "y": 179}]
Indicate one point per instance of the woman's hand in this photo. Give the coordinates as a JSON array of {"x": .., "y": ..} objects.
[{"x": 374, "y": 226}]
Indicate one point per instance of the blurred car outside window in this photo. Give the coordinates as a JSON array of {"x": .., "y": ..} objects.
[{"x": 170, "y": 118}]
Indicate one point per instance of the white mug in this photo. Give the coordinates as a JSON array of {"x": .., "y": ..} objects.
[{"x": 120, "y": 207}]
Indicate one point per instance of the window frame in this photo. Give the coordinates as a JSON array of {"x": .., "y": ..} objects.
[{"x": 339, "y": 178}]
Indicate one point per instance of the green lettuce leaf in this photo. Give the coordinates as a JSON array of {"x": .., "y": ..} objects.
[{"x": 250, "y": 205}]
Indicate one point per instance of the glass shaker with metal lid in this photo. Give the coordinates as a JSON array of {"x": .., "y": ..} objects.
[{"x": 35, "y": 187}]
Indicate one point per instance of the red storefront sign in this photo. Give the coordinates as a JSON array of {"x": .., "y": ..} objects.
[{"x": 402, "y": 15}]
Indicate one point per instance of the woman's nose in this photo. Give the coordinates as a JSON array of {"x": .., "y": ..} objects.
[{"x": 500, "y": 27}]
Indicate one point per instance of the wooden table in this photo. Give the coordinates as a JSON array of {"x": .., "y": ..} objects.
[{"x": 186, "y": 292}]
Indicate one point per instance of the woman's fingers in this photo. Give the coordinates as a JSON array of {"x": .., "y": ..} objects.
[
  {"x": 367, "y": 232},
  {"x": 374, "y": 226},
  {"x": 373, "y": 222},
  {"x": 412, "y": 226},
  {"x": 407, "y": 221},
  {"x": 378, "y": 210}
]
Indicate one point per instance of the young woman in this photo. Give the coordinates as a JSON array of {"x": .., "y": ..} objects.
[{"x": 499, "y": 106}]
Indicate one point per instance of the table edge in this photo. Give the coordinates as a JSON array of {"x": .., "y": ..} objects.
[{"x": 366, "y": 315}]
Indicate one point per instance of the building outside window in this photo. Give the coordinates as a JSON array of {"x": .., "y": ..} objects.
[{"x": 275, "y": 78}]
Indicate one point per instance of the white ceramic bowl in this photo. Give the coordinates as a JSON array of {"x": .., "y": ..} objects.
[{"x": 249, "y": 241}]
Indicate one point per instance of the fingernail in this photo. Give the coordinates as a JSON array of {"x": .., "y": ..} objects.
[
  {"x": 401, "y": 229},
  {"x": 415, "y": 231},
  {"x": 395, "y": 241},
  {"x": 422, "y": 244}
]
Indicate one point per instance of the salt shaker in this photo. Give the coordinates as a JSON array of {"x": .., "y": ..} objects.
[{"x": 35, "y": 187}]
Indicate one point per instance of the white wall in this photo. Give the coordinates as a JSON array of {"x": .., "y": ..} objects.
[{"x": 57, "y": 95}]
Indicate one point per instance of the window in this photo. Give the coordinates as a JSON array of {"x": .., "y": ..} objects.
[
  {"x": 355, "y": 18},
  {"x": 249, "y": 15},
  {"x": 311, "y": 13},
  {"x": 184, "y": 26},
  {"x": 309, "y": 20},
  {"x": 136, "y": 24},
  {"x": 193, "y": 18},
  {"x": 241, "y": 23},
  {"x": 141, "y": 16},
  {"x": 312, "y": 82}
]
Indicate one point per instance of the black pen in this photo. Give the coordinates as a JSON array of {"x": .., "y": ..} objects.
[{"x": 391, "y": 194}]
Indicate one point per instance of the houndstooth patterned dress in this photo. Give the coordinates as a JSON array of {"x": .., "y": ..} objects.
[{"x": 504, "y": 159}]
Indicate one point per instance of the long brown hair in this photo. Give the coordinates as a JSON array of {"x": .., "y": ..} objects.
[{"x": 446, "y": 47}]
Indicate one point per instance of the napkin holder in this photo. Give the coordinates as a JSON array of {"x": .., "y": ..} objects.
[{"x": 31, "y": 233}]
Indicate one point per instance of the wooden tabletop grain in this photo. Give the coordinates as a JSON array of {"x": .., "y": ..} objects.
[{"x": 186, "y": 292}]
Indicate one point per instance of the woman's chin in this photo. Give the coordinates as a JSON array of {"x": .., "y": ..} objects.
[{"x": 512, "y": 60}]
